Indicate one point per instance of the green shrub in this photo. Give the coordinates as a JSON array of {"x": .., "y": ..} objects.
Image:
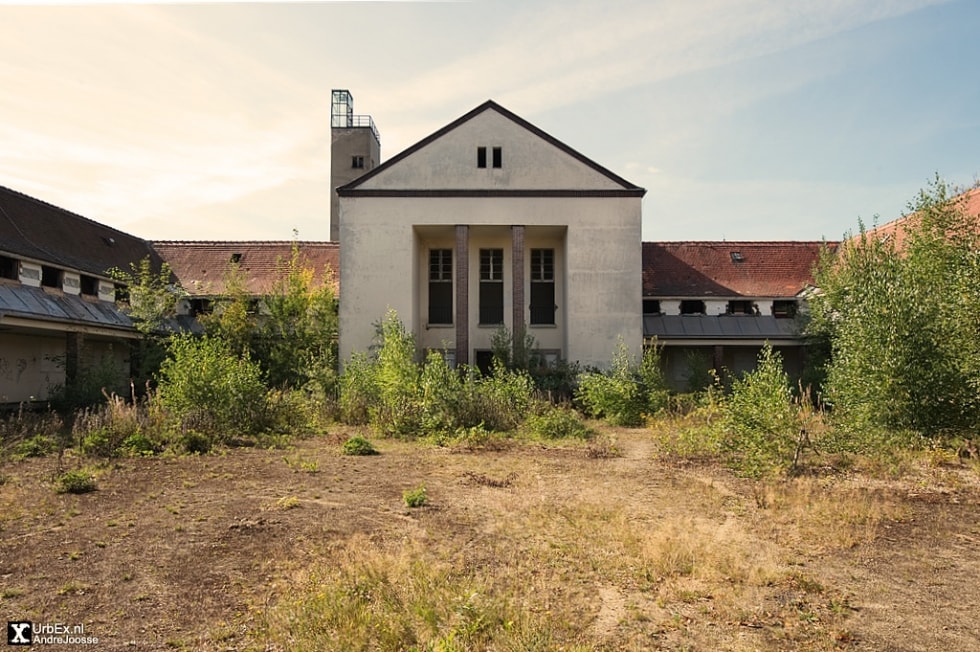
[
  {"x": 358, "y": 390},
  {"x": 627, "y": 392},
  {"x": 78, "y": 481},
  {"x": 102, "y": 442},
  {"x": 557, "y": 423},
  {"x": 36, "y": 446},
  {"x": 139, "y": 444},
  {"x": 202, "y": 377},
  {"x": 398, "y": 411},
  {"x": 358, "y": 446},
  {"x": 196, "y": 443},
  {"x": 760, "y": 419},
  {"x": 503, "y": 398},
  {"x": 416, "y": 497}
]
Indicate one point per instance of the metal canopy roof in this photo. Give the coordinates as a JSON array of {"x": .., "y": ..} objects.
[
  {"x": 31, "y": 303},
  {"x": 722, "y": 327}
]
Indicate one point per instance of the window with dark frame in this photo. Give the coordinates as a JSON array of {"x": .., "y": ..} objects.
[
  {"x": 651, "y": 306},
  {"x": 440, "y": 286},
  {"x": 498, "y": 157},
  {"x": 481, "y": 157},
  {"x": 491, "y": 286},
  {"x": 357, "y": 162},
  {"x": 543, "y": 306},
  {"x": 784, "y": 308}
]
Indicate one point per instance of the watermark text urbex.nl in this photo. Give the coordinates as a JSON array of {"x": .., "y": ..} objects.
[{"x": 25, "y": 632}]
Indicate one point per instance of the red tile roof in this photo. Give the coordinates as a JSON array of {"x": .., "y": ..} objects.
[
  {"x": 202, "y": 266},
  {"x": 749, "y": 269}
]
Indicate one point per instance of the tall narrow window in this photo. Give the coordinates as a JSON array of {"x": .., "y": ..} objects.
[
  {"x": 543, "y": 286},
  {"x": 440, "y": 286},
  {"x": 491, "y": 286},
  {"x": 481, "y": 157},
  {"x": 498, "y": 157}
]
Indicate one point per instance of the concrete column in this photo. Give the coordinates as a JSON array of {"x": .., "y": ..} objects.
[
  {"x": 462, "y": 253},
  {"x": 517, "y": 290}
]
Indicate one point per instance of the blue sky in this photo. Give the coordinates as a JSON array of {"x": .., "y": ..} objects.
[{"x": 744, "y": 120}]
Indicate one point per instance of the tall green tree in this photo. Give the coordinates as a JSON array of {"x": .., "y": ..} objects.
[{"x": 902, "y": 322}]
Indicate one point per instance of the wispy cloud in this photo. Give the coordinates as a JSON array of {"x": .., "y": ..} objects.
[{"x": 144, "y": 114}]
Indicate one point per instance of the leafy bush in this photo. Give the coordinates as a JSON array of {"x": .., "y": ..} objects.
[
  {"x": 358, "y": 390},
  {"x": 201, "y": 376},
  {"x": 36, "y": 446},
  {"x": 554, "y": 422},
  {"x": 503, "y": 398},
  {"x": 760, "y": 423},
  {"x": 78, "y": 481},
  {"x": 195, "y": 443},
  {"x": 627, "y": 392},
  {"x": 416, "y": 497},
  {"x": 398, "y": 411},
  {"x": 901, "y": 323},
  {"x": 358, "y": 446}
]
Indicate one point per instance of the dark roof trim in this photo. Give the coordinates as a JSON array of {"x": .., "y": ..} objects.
[
  {"x": 464, "y": 192},
  {"x": 489, "y": 105}
]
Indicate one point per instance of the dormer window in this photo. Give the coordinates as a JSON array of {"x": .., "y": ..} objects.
[
  {"x": 692, "y": 307},
  {"x": 741, "y": 307},
  {"x": 737, "y": 256},
  {"x": 50, "y": 277}
]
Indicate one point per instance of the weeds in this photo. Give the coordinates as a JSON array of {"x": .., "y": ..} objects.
[
  {"x": 79, "y": 481},
  {"x": 358, "y": 445},
  {"x": 416, "y": 497}
]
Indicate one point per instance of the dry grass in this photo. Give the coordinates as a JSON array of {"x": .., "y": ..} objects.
[{"x": 530, "y": 546}]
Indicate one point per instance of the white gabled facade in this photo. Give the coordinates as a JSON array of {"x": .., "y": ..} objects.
[{"x": 491, "y": 222}]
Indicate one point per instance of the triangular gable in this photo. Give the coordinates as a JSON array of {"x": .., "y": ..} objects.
[{"x": 534, "y": 164}]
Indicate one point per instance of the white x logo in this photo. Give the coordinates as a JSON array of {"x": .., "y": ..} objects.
[{"x": 18, "y": 630}]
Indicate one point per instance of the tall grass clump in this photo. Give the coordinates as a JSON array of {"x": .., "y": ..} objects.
[{"x": 628, "y": 391}]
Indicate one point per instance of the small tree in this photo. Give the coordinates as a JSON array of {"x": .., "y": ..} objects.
[{"x": 150, "y": 299}]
